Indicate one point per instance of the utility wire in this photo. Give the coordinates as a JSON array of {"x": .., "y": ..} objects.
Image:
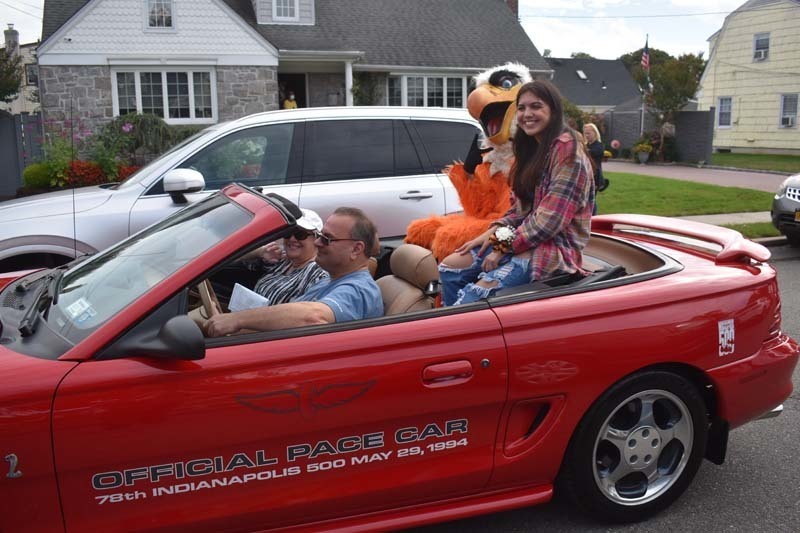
[
  {"x": 21, "y": 10},
  {"x": 782, "y": 8},
  {"x": 30, "y": 5}
]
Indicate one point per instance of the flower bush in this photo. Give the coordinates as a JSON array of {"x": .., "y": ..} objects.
[
  {"x": 642, "y": 147},
  {"x": 73, "y": 155},
  {"x": 84, "y": 173}
]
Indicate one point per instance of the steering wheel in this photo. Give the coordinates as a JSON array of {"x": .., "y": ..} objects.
[{"x": 208, "y": 298}]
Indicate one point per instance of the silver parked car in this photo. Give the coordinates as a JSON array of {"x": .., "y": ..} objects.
[
  {"x": 385, "y": 160},
  {"x": 786, "y": 209}
]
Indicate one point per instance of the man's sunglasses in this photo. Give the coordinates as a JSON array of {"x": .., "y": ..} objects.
[{"x": 326, "y": 240}]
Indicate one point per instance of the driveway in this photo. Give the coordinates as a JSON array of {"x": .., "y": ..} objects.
[{"x": 760, "y": 181}]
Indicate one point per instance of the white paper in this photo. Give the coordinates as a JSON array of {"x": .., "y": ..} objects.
[{"x": 243, "y": 298}]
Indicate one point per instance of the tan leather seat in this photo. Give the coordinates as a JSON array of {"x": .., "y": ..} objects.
[{"x": 414, "y": 271}]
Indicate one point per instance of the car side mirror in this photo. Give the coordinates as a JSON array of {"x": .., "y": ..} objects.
[
  {"x": 179, "y": 181},
  {"x": 178, "y": 339}
]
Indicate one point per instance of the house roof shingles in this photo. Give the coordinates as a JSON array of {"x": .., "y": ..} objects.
[
  {"x": 415, "y": 33},
  {"x": 620, "y": 86}
]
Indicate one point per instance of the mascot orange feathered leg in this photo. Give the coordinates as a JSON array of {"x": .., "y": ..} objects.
[{"x": 481, "y": 180}]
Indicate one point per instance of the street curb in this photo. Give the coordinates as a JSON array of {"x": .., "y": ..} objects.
[{"x": 771, "y": 242}]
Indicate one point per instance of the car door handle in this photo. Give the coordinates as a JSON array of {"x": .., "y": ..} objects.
[
  {"x": 416, "y": 195},
  {"x": 447, "y": 373}
]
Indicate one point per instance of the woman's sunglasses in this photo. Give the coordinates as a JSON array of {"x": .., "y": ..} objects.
[{"x": 301, "y": 234}]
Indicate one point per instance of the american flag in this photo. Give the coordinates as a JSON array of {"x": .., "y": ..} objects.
[{"x": 646, "y": 58}]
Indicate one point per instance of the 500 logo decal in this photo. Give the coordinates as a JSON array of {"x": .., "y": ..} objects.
[{"x": 183, "y": 476}]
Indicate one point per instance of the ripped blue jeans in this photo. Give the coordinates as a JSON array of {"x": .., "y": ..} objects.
[{"x": 458, "y": 284}]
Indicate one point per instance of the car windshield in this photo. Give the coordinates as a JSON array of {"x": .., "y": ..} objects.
[{"x": 94, "y": 291}]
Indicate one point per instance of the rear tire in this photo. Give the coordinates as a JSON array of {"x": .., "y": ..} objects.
[{"x": 637, "y": 449}]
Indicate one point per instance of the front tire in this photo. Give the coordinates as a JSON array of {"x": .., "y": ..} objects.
[{"x": 637, "y": 449}]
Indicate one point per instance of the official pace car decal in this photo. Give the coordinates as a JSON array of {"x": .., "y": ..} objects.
[{"x": 305, "y": 458}]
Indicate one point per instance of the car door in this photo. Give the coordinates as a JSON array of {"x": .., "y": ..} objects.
[
  {"x": 444, "y": 143},
  {"x": 266, "y": 157},
  {"x": 371, "y": 164},
  {"x": 295, "y": 427}
]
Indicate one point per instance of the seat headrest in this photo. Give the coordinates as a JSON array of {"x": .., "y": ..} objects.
[{"x": 414, "y": 264}]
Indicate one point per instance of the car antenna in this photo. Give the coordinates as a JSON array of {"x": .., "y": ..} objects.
[{"x": 71, "y": 163}]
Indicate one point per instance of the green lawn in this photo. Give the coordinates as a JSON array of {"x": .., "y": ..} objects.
[
  {"x": 755, "y": 230},
  {"x": 782, "y": 163},
  {"x": 635, "y": 193}
]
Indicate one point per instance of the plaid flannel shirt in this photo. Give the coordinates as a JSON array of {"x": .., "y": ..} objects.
[{"x": 558, "y": 225}]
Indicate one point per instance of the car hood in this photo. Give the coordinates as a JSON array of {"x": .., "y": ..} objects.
[{"x": 54, "y": 203}]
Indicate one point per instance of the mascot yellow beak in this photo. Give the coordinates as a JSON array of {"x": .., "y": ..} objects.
[{"x": 495, "y": 108}]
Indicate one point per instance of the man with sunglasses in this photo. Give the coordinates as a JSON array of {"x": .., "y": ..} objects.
[{"x": 344, "y": 246}]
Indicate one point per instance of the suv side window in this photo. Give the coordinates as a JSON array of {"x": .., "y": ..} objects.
[
  {"x": 348, "y": 149},
  {"x": 445, "y": 142},
  {"x": 255, "y": 157}
]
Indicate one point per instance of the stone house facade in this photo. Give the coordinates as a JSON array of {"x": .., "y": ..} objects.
[{"x": 207, "y": 61}]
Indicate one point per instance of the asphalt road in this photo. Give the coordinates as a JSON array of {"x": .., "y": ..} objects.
[{"x": 756, "y": 490}]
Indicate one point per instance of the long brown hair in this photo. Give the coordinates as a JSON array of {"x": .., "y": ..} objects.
[{"x": 531, "y": 155}]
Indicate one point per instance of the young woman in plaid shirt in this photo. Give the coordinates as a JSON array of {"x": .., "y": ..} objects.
[{"x": 547, "y": 227}]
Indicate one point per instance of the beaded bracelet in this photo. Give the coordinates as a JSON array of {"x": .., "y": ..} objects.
[{"x": 502, "y": 240}]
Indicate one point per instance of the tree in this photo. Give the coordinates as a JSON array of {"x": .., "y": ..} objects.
[
  {"x": 580, "y": 55},
  {"x": 672, "y": 83},
  {"x": 633, "y": 60},
  {"x": 11, "y": 75}
]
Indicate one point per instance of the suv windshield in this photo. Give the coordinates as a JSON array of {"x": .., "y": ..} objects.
[{"x": 95, "y": 290}]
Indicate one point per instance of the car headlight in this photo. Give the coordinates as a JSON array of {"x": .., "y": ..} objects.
[{"x": 782, "y": 189}]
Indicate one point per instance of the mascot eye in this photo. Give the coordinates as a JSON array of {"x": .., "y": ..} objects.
[{"x": 507, "y": 83}]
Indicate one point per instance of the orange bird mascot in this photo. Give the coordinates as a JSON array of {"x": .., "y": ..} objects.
[{"x": 482, "y": 179}]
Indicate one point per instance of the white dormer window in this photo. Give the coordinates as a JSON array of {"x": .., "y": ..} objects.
[
  {"x": 760, "y": 46},
  {"x": 582, "y": 75},
  {"x": 159, "y": 14},
  {"x": 286, "y": 10}
]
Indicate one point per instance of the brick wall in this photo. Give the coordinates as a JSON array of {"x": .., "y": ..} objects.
[
  {"x": 80, "y": 92},
  {"x": 245, "y": 90}
]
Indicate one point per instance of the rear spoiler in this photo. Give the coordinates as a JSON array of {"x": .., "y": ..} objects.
[{"x": 735, "y": 248}]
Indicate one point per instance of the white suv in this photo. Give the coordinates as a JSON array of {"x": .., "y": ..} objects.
[{"x": 385, "y": 160}]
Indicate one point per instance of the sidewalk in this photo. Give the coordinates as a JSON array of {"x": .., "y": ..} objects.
[{"x": 748, "y": 179}]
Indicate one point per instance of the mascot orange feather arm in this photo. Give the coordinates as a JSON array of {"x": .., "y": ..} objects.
[{"x": 481, "y": 181}]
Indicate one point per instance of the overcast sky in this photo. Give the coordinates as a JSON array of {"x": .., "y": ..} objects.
[{"x": 606, "y": 29}]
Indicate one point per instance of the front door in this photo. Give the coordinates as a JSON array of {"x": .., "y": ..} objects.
[{"x": 276, "y": 432}]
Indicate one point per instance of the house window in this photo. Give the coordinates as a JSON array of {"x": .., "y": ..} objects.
[
  {"x": 159, "y": 13},
  {"x": 427, "y": 91},
  {"x": 285, "y": 10},
  {"x": 760, "y": 46},
  {"x": 32, "y": 74},
  {"x": 395, "y": 92},
  {"x": 724, "y": 112},
  {"x": 179, "y": 97},
  {"x": 789, "y": 110},
  {"x": 126, "y": 92}
]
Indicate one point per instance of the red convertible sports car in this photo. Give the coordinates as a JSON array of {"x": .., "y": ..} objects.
[{"x": 117, "y": 414}]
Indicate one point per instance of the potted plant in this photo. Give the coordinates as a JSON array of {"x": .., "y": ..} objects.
[{"x": 642, "y": 151}]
